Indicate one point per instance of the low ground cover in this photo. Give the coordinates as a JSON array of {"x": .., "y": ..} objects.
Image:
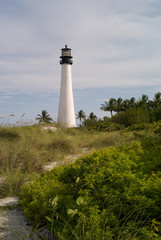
[
  {"x": 110, "y": 194},
  {"x": 25, "y": 149}
]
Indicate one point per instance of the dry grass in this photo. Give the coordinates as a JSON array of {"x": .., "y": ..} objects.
[{"x": 24, "y": 150}]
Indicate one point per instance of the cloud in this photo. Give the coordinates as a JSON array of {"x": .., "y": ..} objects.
[{"x": 114, "y": 43}]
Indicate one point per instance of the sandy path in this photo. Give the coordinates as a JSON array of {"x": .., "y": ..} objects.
[{"x": 13, "y": 224}]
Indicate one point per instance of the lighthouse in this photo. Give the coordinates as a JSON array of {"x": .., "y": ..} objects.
[{"x": 66, "y": 114}]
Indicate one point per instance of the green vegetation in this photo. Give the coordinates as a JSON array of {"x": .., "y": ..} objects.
[
  {"x": 25, "y": 150},
  {"x": 111, "y": 194},
  {"x": 120, "y": 105},
  {"x": 44, "y": 117},
  {"x": 127, "y": 113},
  {"x": 81, "y": 116}
]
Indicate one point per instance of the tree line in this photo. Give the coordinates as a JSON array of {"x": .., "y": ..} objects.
[
  {"x": 120, "y": 105},
  {"x": 127, "y": 112}
]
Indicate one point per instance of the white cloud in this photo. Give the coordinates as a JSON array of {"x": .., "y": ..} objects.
[{"x": 114, "y": 43}]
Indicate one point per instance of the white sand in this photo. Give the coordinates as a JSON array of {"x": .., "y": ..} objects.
[{"x": 14, "y": 225}]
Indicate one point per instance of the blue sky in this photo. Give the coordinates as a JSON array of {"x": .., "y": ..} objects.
[{"x": 115, "y": 46}]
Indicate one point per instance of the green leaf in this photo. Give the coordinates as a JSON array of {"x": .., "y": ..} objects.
[
  {"x": 77, "y": 180},
  {"x": 80, "y": 200},
  {"x": 49, "y": 219},
  {"x": 55, "y": 201},
  {"x": 72, "y": 212}
]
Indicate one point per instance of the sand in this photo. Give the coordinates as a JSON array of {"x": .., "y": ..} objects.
[{"x": 13, "y": 224}]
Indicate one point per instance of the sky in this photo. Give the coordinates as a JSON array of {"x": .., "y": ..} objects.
[{"x": 116, "y": 49}]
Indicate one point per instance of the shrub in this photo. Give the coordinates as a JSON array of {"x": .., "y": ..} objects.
[
  {"x": 157, "y": 128},
  {"x": 105, "y": 126},
  {"x": 132, "y": 116},
  {"x": 9, "y": 133},
  {"x": 140, "y": 126},
  {"x": 157, "y": 113},
  {"x": 25, "y": 149},
  {"x": 111, "y": 194}
]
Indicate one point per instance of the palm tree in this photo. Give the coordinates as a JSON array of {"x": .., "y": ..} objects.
[
  {"x": 119, "y": 105},
  {"x": 157, "y": 99},
  {"x": 44, "y": 117},
  {"x": 81, "y": 116},
  {"x": 105, "y": 106},
  {"x": 143, "y": 101},
  {"x": 109, "y": 106},
  {"x": 132, "y": 102},
  {"x": 92, "y": 116},
  {"x": 128, "y": 103}
]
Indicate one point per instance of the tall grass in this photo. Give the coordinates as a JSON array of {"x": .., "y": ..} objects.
[{"x": 24, "y": 150}]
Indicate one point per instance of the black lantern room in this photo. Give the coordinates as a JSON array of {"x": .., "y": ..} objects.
[{"x": 66, "y": 56}]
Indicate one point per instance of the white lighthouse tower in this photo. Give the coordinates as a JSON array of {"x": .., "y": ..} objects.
[{"x": 66, "y": 114}]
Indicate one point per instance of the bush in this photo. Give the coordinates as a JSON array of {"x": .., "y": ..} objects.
[
  {"x": 157, "y": 113},
  {"x": 110, "y": 126},
  {"x": 111, "y": 194},
  {"x": 24, "y": 150},
  {"x": 103, "y": 126},
  {"x": 151, "y": 127},
  {"x": 9, "y": 133},
  {"x": 140, "y": 126},
  {"x": 132, "y": 116},
  {"x": 157, "y": 128}
]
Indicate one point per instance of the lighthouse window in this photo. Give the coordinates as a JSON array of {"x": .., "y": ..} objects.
[{"x": 66, "y": 53}]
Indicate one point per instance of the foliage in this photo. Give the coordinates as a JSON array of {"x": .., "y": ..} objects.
[
  {"x": 90, "y": 121},
  {"x": 44, "y": 117},
  {"x": 109, "y": 106},
  {"x": 104, "y": 126},
  {"x": 111, "y": 194},
  {"x": 149, "y": 127},
  {"x": 157, "y": 129},
  {"x": 143, "y": 101},
  {"x": 25, "y": 150},
  {"x": 157, "y": 99},
  {"x": 132, "y": 116},
  {"x": 9, "y": 133},
  {"x": 156, "y": 113},
  {"x": 81, "y": 116},
  {"x": 132, "y": 107},
  {"x": 92, "y": 117}
]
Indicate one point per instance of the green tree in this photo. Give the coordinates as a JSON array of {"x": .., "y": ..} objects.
[
  {"x": 81, "y": 116},
  {"x": 109, "y": 106},
  {"x": 128, "y": 103},
  {"x": 105, "y": 107},
  {"x": 44, "y": 117},
  {"x": 92, "y": 117},
  {"x": 125, "y": 104},
  {"x": 132, "y": 102},
  {"x": 119, "y": 105},
  {"x": 143, "y": 101},
  {"x": 157, "y": 100},
  {"x": 91, "y": 120},
  {"x": 132, "y": 116}
]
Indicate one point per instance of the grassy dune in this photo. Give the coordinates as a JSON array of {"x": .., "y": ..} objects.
[{"x": 25, "y": 149}]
